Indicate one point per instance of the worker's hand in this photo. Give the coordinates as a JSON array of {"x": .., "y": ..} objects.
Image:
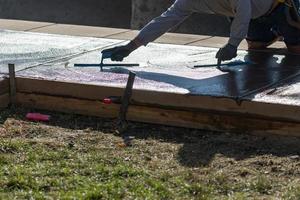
[
  {"x": 118, "y": 53},
  {"x": 121, "y": 52},
  {"x": 227, "y": 52}
]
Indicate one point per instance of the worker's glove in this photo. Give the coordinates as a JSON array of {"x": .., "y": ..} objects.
[
  {"x": 227, "y": 52},
  {"x": 120, "y": 52}
]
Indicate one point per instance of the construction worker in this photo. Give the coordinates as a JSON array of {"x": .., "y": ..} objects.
[{"x": 261, "y": 22}]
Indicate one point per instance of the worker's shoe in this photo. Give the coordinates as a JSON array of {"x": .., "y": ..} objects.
[
  {"x": 120, "y": 52},
  {"x": 227, "y": 52},
  {"x": 294, "y": 49}
]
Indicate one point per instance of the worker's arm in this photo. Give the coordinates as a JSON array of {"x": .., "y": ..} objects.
[
  {"x": 179, "y": 11},
  {"x": 239, "y": 30},
  {"x": 240, "y": 24},
  {"x": 154, "y": 29}
]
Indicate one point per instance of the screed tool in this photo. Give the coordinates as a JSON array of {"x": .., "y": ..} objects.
[
  {"x": 101, "y": 65},
  {"x": 231, "y": 64}
]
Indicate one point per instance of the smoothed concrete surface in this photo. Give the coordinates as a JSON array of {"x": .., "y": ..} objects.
[
  {"x": 163, "y": 67},
  {"x": 25, "y": 49},
  {"x": 169, "y": 68},
  {"x": 285, "y": 94}
]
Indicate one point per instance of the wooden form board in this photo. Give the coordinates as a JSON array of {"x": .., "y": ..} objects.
[
  {"x": 4, "y": 86},
  {"x": 162, "y": 99},
  {"x": 201, "y": 112},
  {"x": 190, "y": 119},
  {"x": 4, "y": 93},
  {"x": 4, "y": 100}
]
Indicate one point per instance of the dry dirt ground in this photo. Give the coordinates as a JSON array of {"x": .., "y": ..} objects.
[{"x": 78, "y": 157}]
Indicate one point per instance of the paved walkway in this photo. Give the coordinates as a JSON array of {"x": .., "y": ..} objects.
[{"x": 114, "y": 33}]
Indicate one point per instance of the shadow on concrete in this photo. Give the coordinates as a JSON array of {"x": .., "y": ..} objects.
[{"x": 268, "y": 72}]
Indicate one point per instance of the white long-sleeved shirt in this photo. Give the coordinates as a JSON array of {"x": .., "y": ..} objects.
[{"x": 241, "y": 10}]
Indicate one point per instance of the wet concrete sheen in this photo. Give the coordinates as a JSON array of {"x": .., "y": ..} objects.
[{"x": 167, "y": 68}]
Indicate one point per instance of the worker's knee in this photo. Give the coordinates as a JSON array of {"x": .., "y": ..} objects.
[
  {"x": 257, "y": 45},
  {"x": 294, "y": 49}
]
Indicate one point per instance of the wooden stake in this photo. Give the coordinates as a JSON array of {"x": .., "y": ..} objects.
[
  {"x": 12, "y": 83},
  {"x": 122, "y": 120},
  {"x": 126, "y": 97}
]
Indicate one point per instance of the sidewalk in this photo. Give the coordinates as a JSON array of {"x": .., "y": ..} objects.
[{"x": 114, "y": 33}]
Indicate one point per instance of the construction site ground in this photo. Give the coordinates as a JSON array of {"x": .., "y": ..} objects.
[{"x": 80, "y": 156}]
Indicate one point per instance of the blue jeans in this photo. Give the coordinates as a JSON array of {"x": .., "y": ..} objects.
[{"x": 268, "y": 28}]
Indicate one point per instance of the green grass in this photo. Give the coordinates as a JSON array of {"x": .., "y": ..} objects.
[
  {"x": 35, "y": 170},
  {"x": 79, "y": 158}
]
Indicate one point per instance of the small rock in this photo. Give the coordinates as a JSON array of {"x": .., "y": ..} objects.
[
  {"x": 127, "y": 159},
  {"x": 295, "y": 157}
]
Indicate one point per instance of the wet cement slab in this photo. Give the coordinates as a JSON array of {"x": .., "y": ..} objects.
[
  {"x": 25, "y": 49},
  {"x": 170, "y": 68},
  {"x": 163, "y": 67},
  {"x": 287, "y": 93},
  {"x": 283, "y": 76}
]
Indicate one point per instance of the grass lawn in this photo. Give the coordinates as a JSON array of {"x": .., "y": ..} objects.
[{"x": 77, "y": 157}]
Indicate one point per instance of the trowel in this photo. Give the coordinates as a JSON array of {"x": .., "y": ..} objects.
[
  {"x": 219, "y": 65},
  {"x": 106, "y": 55}
]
